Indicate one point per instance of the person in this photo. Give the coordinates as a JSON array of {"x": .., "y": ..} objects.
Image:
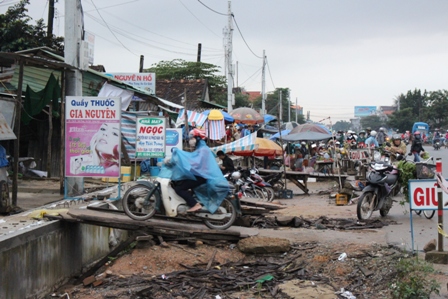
[
  {"x": 381, "y": 137},
  {"x": 104, "y": 147},
  {"x": 229, "y": 135},
  {"x": 368, "y": 131},
  {"x": 182, "y": 187},
  {"x": 417, "y": 146},
  {"x": 361, "y": 139},
  {"x": 397, "y": 146},
  {"x": 436, "y": 136},
  {"x": 371, "y": 140},
  {"x": 227, "y": 163}
]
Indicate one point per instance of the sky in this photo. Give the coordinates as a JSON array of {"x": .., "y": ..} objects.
[{"x": 331, "y": 54}]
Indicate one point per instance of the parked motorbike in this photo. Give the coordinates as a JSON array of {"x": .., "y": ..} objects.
[
  {"x": 275, "y": 180},
  {"x": 245, "y": 184},
  {"x": 265, "y": 186},
  {"x": 382, "y": 183},
  {"x": 144, "y": 200}
]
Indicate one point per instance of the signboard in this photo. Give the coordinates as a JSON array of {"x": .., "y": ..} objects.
[
  {"x": 5, "y": 130},
  {"x": 150, "y": 139},
  {"x": 143, "y": 81},
  {"x": 361, "y": 111},
  {"x": 92, "y": 137},
  {"x": 173, "y": 140},
  {"x": 359, "y": 154},
  {"x": 423, "y": 195}
]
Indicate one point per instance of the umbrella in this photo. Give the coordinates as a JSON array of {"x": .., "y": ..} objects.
[
  {"x": 309, "y": 136},
  {"x": 277, "y": 135},
  {"x": 215, "y": 114},
  {"x": 247, "y": 116},
  {"x": 309, "y": 128},
  {"x": 264, "y": 147}
]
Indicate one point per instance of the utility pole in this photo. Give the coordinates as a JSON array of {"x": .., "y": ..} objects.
[
  {"x": 50, "y": 19},
  {"x": 289, "y": 108},
  {"x": 297, "y": 108},
  {"x": 72, "y": 56},
  {"x": 199, "y": 52},
  {"x": 280, "y": 108},
  {"x": 263, "y": 85},
  {"x": 229, "y": 47}
]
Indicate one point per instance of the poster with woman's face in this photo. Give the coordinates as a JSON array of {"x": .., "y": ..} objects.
[{"x": 92, "y": 137}]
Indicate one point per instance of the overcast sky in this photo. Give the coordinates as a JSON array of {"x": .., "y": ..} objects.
[{"x": 332, "y": 55}]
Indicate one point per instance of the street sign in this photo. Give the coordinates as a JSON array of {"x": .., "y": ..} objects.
[
  {"x": 150, "y": 139},
  {"x": 423, "y": 195}
]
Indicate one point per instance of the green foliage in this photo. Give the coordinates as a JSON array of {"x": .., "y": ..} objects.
[
  {"x": 17, "y": 33},
  {"x": 342, "y": 125},
  {"x": 272, "y": 105},
  {"x": 412, "y": 281},
  {"x": 372, "y": 121},
  {"x": 407, "y": 172},
  {"x": 179, "y": 69}
]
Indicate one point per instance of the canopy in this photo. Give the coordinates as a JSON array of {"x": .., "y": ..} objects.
[
  {"x": 242, "y": 144},
  {"x": 289, "y": 125},
  {"x": 247, "y": 116},
  {"x": 269, "y": 117},
  {"x": 310, "y": 128},
  {"x": 193, "y": 117}
]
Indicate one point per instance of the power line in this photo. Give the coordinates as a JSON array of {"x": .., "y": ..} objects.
[
  {"x": 244, "y": 38},
  {"x": 219, "y": 13},
  {"x": 269, "y": 70},
  {"x": 198, "y": 18},
  {"x": 110, "y": 29}
]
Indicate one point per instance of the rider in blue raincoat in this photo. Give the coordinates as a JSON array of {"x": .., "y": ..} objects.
[{"x": 199, "y": 171}]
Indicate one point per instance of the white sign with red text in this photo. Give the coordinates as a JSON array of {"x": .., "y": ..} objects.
[
  {"x": 143, "y": 81},
  {"x": 150, "y": 139},
  {"x": 423, "y": 195}
]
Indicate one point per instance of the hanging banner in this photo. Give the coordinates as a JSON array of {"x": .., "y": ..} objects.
[
  {"x": 173, "y": 140},
  {"x": 92, "y": 136},
  {"x": 150, "y": 137}
]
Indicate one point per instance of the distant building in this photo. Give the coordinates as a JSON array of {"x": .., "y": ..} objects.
[
  {"x": 253, "y": 95},
  {"x": 385, "y": 111}
]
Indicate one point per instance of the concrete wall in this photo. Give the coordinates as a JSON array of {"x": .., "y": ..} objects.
[{"x": 33, "y": 263}]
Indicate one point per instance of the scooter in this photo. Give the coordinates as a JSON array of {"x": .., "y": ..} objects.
[
  {"x": 382, "y": 183},
  {"x": 143, "y": 200}
]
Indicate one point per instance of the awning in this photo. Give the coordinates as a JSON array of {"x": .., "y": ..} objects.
[{"x": 246, "y": 143}]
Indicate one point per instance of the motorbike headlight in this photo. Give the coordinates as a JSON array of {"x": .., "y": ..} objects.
[{"x": 377, "y": 156}]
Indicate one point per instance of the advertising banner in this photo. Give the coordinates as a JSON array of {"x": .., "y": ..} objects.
[
  {"x": 92, "y": 137},
  {"x": 361, "y": 111},
  {"x": 143, "y": 81},
  {"x": 150, "y": 139},
  {"x": 173, "y": 140}
]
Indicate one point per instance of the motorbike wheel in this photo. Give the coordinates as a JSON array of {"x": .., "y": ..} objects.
[
  {"x": 225, "y": 223},
  {"x": 429, "y": 213},
  {"x": 386, "y": 207},
  {"x": 418, "y": 212},
  {"x": 363, "y": 209},
  {"x": 269, "y": 191},
  {"x": 137, "y": 203}
]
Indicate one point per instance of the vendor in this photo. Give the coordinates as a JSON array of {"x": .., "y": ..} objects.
[{"x": 227, "y": 163}]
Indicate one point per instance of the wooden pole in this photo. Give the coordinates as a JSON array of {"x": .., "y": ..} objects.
[
  {"x": 49, "y": 137},
  {"x": 185, "y": 113},
  {"x": 62, "y": 154}
]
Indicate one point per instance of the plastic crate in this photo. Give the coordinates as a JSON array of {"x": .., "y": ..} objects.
[
  {"x": 286, "y": 194},
  {"x": 425, "y": 171},
  {"x": 341, "y": 199}
]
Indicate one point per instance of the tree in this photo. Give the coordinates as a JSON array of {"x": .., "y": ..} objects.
[
  {"x": 16, "y": 32},
  {"x": 342, "y": 125},
  {"x": 179, "y": 69},
  {"x": 272, "y": 105},
  {"x": 373, "y": 121},
  {"x": 413, "y": 108}
]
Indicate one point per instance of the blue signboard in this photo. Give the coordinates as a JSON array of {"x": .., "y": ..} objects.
[{"x": 361, "y": 111}]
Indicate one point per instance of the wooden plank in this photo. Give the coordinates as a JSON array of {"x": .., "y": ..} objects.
[{"x": 255, "y": 202}]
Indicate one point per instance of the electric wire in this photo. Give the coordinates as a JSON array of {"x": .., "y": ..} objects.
[
  {"x": 197, "y": 18},
  {"x": 107, "y": 25},
  {"x": 217, "y": 12},
  {"x": 244, "y": 38},
  {"x": 269, "y": 71}
]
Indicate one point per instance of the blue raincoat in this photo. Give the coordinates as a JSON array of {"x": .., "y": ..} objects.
[{"x": 185, "y": 165}]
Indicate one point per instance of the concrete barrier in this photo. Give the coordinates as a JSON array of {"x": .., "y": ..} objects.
[{"x": 35, "y": 261}]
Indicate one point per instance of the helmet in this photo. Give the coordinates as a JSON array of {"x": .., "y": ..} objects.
[
  {"x": 350, "y": 132},
  {"x": 396, "y": 137},
  {"x": 417, "y": 133},
  {"x": 362, "y": 132},
  {"x": 381, "y": 129},
  {"x": 236, "y": 175},
  {"x": 373, "y": 133}
]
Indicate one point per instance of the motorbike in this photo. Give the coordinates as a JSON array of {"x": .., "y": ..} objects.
[
  {"x": 143, "y": 200},
  {"x": 382, "y": 183},
  {"x": 437, "y": 145},
  {"x": 265, "y": 186},
  {"x": 275, "y": 180}
]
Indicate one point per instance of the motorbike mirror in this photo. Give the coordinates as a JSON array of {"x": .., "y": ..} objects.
[{"x": 399, "y": 157}]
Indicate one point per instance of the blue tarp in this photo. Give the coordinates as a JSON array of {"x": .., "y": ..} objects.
[{"x": 185, "y": 165}]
